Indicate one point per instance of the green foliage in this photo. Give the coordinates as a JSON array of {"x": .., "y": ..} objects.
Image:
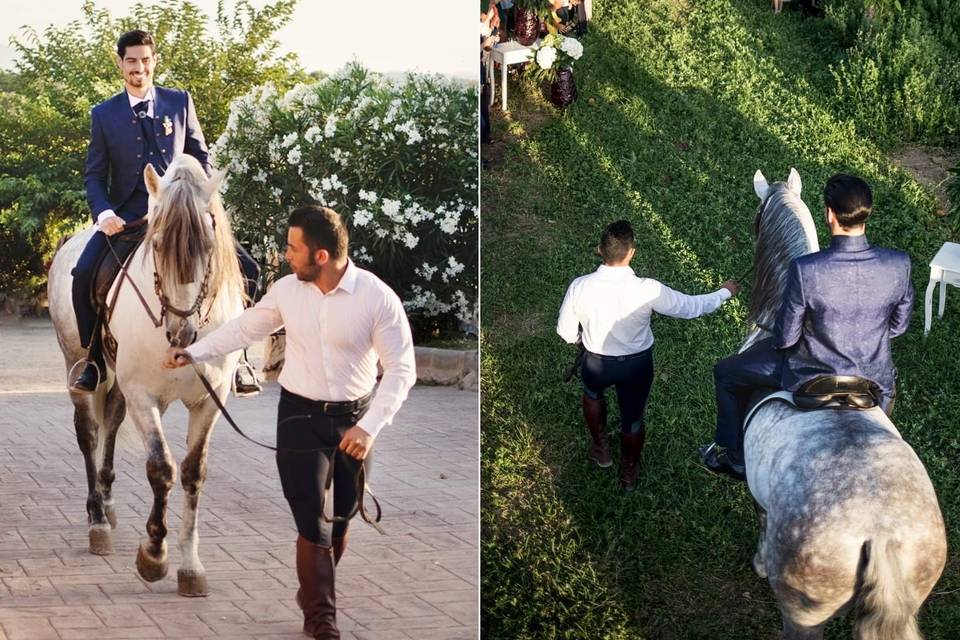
[
  {"x": 397, "y": 159},
  {"x": 900, "y": 77},
  {"x": 680, "y": 103},
  {"x": 64, "y": 71},
  {"x": 953, "y": 192}
]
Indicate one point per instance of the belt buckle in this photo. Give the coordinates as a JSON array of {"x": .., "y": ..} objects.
[{"x": 325, "y": 407}]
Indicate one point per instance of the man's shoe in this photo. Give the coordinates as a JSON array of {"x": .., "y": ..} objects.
[
  {"x": 718, "y": 461},
  {"x": 250, "y": 386},
  {"x": 88, "y": 380}
]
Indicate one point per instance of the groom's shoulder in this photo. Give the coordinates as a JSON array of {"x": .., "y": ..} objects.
[
  {"x": 109, "y": 103},
  {"x": 169, "y": 94}
]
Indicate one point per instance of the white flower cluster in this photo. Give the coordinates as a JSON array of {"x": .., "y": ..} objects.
[
  {"x": 377, "y": 152},
  {"x": 556, "y": 48}
]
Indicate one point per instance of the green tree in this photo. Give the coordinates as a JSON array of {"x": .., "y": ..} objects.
[{"x": 62, "y": 72}]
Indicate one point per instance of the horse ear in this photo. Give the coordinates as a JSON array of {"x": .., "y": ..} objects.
[
  {"x": 760, "y": 185},
  {"x": 213, "y": 184},
  {"x": 793, "y": 182},
  {"x": 152, "y": 180}
]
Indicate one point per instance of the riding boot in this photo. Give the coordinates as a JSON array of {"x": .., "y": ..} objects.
[
  {"x": 595, "y": 414},
  {"x": 339, "y": 546},
  {"x": 95, "y": 371},
  {"x": 631, "y": 446},
  {"x": 316, "y": 570}
]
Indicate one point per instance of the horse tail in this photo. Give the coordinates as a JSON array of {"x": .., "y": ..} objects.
[{"x": 886, "y": 607}]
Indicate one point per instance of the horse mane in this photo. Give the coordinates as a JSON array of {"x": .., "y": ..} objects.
[
  {"x": 181, "y": 236},
  {"x": 784, "y": 230}
]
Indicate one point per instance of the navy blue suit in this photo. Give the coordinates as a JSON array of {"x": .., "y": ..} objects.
[
  {"x": 841, "y": 308},
  {"x": 121, "y": 145}
]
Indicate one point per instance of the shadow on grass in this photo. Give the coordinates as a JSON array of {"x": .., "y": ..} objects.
[{"x": 673, "y": 558}]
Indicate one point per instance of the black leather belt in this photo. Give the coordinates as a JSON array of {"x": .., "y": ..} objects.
[
  {"x": 329, "y": 408},
  {"x": 620, "y": 358}
]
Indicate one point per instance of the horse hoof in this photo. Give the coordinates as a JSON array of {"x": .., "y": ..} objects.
[
  {"x": 758, "y": 566},
  {"x": 152, "y": 569},
  {"x": 101, "y": 540},
  {"x": 192, "y": 584}
]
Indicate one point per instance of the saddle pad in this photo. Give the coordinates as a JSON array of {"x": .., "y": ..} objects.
[{"x": 786, "y": 396}]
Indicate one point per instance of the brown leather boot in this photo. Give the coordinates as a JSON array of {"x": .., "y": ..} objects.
[
  {"x": 631, "y": 446},
  {"x": 317, "y": 596},
  {"x": 595, "y": 414},
  {"x": 339, "y": 546}
]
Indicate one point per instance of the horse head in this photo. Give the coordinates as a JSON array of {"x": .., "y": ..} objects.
[
  {"x": 189, "y": 236},
  {"x": 784, "y": 230}
]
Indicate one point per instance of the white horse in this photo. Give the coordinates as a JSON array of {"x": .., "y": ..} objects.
[
  {"x": 194, "y": 267},
  {"x": 849, "y": 517}
]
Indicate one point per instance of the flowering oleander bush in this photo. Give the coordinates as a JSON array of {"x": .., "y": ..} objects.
[
  {"x": 554, "y": 53},
  {"x": 398, "y": 159}
]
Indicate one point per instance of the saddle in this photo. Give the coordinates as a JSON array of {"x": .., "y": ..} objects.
[
  {"x": 824, "y": 392},
  {"x": 124, "y": 245}
]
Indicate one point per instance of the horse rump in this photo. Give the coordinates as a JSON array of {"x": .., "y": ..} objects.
[{"x": 886, "y": 607}]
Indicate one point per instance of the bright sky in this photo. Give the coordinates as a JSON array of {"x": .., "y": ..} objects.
[{"x": 438, "y": 36}]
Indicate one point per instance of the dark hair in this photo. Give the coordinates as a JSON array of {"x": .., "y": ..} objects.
[
  {"x": 616, "y": 241},
  {"x": 133, "y": 39},
  {"x": 850, "y": 199},
  {"x": 322, "y": 229}
]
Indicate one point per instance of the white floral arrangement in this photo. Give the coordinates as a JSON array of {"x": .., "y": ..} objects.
[
  {"x": 397, "y": 159},
  {"x": 556, "y": 52}
]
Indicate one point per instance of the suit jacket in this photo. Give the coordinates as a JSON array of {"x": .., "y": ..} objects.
[
  {"x": 841, "y": 308},
  {"x": 115, "y": 155}
]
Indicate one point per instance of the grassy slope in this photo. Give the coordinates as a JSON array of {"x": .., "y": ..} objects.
[{"x": 680, "y": 104}]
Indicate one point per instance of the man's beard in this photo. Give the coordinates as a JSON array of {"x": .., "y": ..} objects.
[{"x": 310, "y": 272}]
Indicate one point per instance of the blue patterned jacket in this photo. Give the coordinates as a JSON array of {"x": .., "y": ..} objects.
[{"x": 841, "y": 308}]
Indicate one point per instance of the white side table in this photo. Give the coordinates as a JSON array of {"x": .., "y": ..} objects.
[
  {"x": 506, "y": 54},
  {"x": 945, "y": 269}
]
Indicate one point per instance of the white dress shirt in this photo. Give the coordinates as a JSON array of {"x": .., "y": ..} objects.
[
  {"x": 614, "y": 307},
  {"x": 134, "y": 101},
  {"x": 333, "y": 341}
]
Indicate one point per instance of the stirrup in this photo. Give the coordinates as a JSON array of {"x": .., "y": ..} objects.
[
  {"x": 101, "y": 375},
  {"x": 249, "y": 389}
]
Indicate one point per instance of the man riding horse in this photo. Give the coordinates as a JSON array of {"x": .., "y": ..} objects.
[
  {"x": 143, "y": 124},
  {"x": 841, "y": 308}
]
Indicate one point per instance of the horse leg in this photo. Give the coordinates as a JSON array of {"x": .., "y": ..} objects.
[
  {"x": 191, "y": 576},
  {"x": 760, "y": 557},
  {"x": 793, "y": 630},
  {"x": 161, "y": 470},
  {"x": 114, "y": 412},
  {"x": 100, "y": 535}
]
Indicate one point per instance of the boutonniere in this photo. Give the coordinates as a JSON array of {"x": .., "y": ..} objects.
[{"x": 167, "y": 125}]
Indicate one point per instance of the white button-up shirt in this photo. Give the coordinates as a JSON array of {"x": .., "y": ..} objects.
[
  {"x": 614, "y": 307},
  {"x": 333, "y": 341}
]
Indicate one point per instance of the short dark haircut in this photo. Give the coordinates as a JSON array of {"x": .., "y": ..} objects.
[
  {"x": 322, "y": 229},
  {"x": 850, "y": 199},
  {"x": 134, "y": 38},
  {"x": 616, "y": 241}
]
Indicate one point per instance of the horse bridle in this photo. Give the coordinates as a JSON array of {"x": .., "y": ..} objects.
[
  {"x": 183, "y": 314},
  {"x": 165, "y": 305}
]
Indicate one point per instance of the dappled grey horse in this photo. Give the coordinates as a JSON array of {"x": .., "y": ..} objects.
[
  {"x": 849, "y": 518},
  {"x": 187, "y": 271}
]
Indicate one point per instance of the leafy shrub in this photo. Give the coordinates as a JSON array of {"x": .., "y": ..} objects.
[
  {"x": 63, "y": 72},
  {"x": 397, "y": 159},
  {"x": 900, "y": 77}
]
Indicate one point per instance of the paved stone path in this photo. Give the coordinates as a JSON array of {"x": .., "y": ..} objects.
[{"x": 418, "y": 582}]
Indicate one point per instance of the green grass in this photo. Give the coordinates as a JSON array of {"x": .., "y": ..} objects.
[{"x": 679, "y": 104}]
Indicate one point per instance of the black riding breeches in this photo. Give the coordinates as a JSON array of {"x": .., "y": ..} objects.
[
  {"x": 631, "y": 375},
  {"x": 305, "y": 476}
]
